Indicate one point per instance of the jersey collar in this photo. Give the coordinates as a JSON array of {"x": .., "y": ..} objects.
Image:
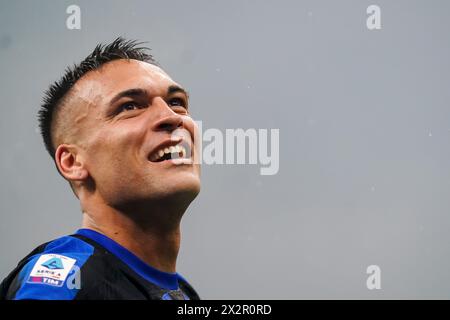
[{"x": 163, "y": 279}]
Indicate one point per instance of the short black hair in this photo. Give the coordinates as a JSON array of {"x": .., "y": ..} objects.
[{"x": 120, "y": 48}]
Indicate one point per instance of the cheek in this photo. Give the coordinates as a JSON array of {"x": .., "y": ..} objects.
[
  {"x": 113, "y": 153},
  {"x": 195, "y": 132}
]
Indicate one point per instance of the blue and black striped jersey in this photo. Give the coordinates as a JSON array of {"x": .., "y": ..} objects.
[{"x": 89, "y": 265}]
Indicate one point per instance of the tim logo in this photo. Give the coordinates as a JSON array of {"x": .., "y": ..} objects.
[
  {"x": 53, "y": 263},
  {"x": 45, "y": 280}
]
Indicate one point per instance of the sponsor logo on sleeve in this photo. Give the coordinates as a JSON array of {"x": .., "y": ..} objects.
[{"x": 51, "y": 269}]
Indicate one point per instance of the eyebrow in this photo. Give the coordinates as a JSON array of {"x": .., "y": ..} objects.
[
  {"x": 174, "y": 89},
  {"x": 136, "y": 92}
]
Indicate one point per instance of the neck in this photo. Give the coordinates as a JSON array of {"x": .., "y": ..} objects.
[{"x": 153, "y": 236}]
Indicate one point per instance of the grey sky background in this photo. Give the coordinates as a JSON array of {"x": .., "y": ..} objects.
[{"x": 364, "y": 129}]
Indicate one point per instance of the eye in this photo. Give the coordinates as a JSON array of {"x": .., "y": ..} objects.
[
  {"x": 128, "y": 106},
  {"x": 178, "y": 102}
]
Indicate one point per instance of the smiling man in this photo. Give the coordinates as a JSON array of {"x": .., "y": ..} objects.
[{"x": 119, "y": 131}]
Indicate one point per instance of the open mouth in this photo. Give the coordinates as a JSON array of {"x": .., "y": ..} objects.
[{"x": 181, "y": 150}]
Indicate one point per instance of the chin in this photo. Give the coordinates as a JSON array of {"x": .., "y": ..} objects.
[
  {"x": 181, "y": 189},
  {"x": 185, "y": 189},
  {"x": 177, "y": 197}
]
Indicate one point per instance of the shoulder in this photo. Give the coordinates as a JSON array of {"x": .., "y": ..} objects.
[{"x": 50, "y": 272}]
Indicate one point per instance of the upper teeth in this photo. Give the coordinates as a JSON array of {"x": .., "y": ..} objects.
[{"x": 173, "y": 149}]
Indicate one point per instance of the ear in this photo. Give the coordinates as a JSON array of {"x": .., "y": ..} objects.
[{"x": 70, "y": 162}]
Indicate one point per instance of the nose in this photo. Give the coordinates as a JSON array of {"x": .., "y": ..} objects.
[{"x": 168, "y": 120}]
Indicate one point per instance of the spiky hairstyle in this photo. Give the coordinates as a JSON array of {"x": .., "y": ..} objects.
[{"x": 120, "y": 48}]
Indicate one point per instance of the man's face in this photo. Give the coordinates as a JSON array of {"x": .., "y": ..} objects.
[{"x": 130, "y": 114}]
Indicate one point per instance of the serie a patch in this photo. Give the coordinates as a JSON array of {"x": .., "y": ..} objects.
[{"x": 51, "y": 269}]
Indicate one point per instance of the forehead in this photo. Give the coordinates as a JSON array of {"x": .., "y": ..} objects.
[{"x": 120, "y": 75}]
